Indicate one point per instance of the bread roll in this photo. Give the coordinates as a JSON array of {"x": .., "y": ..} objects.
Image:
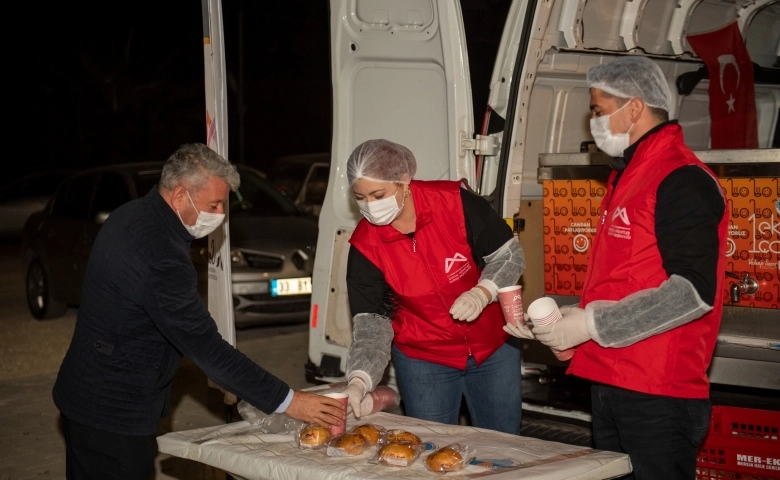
[
  {"x": 314, "y": 435},
  {"x": 444, "y": 460},
  {"x": 368, "y": 430},
  {"x": 396, "y": 454},
  {"x": 395, "y": 436},
  {"x": 352, "y": 443}
]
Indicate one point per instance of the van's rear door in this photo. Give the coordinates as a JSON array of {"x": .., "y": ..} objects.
[{"x": 399, "y": 72}]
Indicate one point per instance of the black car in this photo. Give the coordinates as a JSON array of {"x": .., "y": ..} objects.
[
  {"x": 272, "y": 243},
  {"x": 22, "y": 198}
]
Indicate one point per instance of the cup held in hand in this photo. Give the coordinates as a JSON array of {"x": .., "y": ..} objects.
[
  {"x": 544, "y": 311},
  {"x": 343, "y": 398},
  {"x": 511, "y": 301},
  {"x": 563, "y": 355}
]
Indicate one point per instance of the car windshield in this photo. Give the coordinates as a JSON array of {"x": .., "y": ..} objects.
[
  {"x": 257, "y": 197},
  {"x": 145, "y": 180},
  {"x": 39, "y": 185},
  {"x": 289, "y": 178}
]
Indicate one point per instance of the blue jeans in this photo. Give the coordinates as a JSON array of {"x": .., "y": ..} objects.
[
  {"x": 493, "y": 390},
  {"x": 661, "y": 434}
]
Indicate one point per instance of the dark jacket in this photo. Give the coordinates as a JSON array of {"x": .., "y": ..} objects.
[{"x": 140, "y": 311}]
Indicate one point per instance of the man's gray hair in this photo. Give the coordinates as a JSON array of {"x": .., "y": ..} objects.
[{"x": 193, "y": 164}]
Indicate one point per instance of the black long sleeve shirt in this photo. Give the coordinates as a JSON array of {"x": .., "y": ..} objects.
[
  {"x": 140, "y": 311},
  {"x": 688, "y": 210}
]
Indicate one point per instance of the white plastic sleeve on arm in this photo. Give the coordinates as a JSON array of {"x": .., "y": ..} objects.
[
  {"x": 644, "y": 313},
  {"x": 369, "y": 354},
  {"x": 502, "y": 267}
]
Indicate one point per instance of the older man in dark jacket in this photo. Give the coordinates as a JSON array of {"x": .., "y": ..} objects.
[{"x": 140, "y": 312}]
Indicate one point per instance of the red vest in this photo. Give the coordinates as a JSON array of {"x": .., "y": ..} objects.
[
  {"x": 428, "y": 274},
  {"x": 625, "y": 259}
]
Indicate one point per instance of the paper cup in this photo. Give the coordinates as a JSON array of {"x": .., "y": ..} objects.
[
  {"x": 511, "y": 301},
  {"x": 564, "y": 355},
  {"x": 341, "y": 397},
  {"x": 543, "y": 311}
]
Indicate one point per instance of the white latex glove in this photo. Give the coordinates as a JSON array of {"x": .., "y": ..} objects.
[
  {"x": 520, "y": 332},
  {"x": 469, "y": 305},
  {"x": 366, "y": 406},
  {"x": 356, "y": 389},
  {"x": 571, "y": 330}
]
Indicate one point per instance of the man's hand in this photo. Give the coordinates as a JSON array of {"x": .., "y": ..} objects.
[
  {"x": 357, "y": 391},
  {"x": 470, "y": 304},
  {"x": 567, "y": 332},
  {"x": 320, "y": 409}
]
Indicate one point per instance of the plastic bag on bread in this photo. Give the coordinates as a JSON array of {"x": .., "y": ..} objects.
[
  {"x": 397, "y": 454},
  {"x": 450, "y": 458},
  {"x": 312, "y": 436},
  {"x": 398, "y": 435},
  {"x": 371, "y": 431},
  {"x": 347, "y": 444}
]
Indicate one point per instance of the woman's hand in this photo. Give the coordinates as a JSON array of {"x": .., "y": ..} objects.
[
  {"x": 470, "y": 304},
  {"x": 356, "y": 390}
]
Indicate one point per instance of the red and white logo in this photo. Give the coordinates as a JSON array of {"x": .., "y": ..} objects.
[
  {"x": 449, "y": 262},
  {"x": 622, "y": 214}
]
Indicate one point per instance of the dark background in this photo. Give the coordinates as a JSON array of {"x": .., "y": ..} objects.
[{"x": 106, "y": 82}]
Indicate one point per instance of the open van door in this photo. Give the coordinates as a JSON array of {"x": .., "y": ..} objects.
[{"x": 399, "y": 72}]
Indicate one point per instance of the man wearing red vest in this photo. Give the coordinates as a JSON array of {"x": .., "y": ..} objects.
[
  {"x": 648, "y": 319},
  {"x": 423, "y": 270}
]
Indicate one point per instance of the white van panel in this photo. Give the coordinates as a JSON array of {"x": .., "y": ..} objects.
[
  {"x": 762, "y": 35},
  {"x": 400, "y": 72},
  {"x": 654, "y": 27},
  {"x": 710, "y": 15},
  {"x": 378, "y": 88},
  {"x": 599, "y": 30}
]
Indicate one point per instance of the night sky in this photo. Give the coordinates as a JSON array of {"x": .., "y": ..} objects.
[{"x": 120, "y": 81}]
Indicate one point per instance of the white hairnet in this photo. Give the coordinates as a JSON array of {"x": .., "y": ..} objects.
[
  {"x": 631, "y": 77},
  {"x": 382, "y": 161}
]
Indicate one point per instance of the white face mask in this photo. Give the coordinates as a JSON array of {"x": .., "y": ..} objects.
[
  {"x": 609, "y": 143},
  {"x": 206, "y": 222},
  {"x": 381, "y": 212}
]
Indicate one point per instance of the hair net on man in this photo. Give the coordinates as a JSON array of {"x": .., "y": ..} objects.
[
  {"x": 381, "y": 161},
  {"x": 632, "y": 77}
]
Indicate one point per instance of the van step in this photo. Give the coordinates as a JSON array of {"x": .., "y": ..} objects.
[{"x": 554, "y": 431}]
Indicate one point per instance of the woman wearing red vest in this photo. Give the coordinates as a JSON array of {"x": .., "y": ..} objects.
[
  {"x": 423, "y": 270},
  {"x": 648, "y": 319}
]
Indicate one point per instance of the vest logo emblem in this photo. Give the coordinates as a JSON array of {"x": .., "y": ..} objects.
[
  {"x": 449, "y": 262},
  {"x": 621, "y": 212}
]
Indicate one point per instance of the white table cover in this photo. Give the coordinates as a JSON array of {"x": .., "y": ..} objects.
[{"x": 243, "y": 451}]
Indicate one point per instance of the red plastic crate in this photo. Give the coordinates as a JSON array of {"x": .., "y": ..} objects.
[{"x": 742, "y": 444}]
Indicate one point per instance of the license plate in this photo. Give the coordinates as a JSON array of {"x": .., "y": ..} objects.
[{"x": 291, "y": 286}]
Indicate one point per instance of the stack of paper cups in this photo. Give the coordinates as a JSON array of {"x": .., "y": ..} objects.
[{"x": 544, "y": 311}]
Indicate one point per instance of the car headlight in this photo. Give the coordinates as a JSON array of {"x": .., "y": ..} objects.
[
  {"x": 299, "y": 259},
  {"x": 237, "y": 258}
]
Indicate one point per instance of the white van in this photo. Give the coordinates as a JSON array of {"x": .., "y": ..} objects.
[{"x": 400, "y": 72}]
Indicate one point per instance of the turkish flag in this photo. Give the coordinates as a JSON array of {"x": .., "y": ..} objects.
[{"x": 732, "y": 92}]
